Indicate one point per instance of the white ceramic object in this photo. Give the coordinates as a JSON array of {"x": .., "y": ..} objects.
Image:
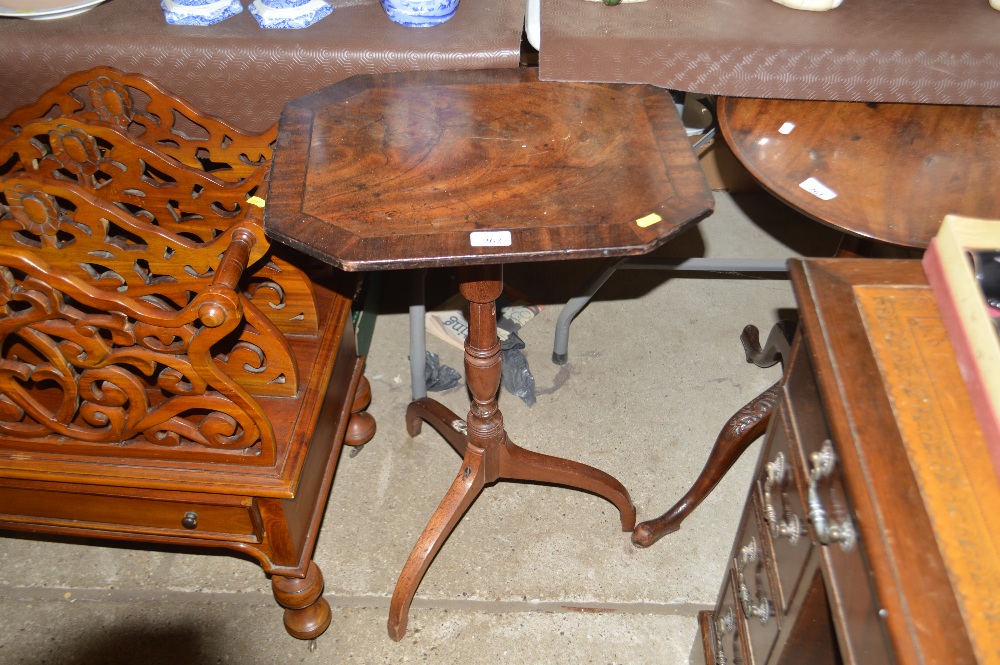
[
  {"x": 533, "y": 23},
  {"x": 289, "y": 14},
  {"x": 199, "y": 12},
  {"x": 45, "y": 9},
  {"x": 419, "y": 13},
  {"x": 812, "y": 5}
]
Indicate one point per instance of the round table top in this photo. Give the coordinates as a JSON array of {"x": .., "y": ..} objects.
[
  {"x": 889, "y": 172},
  {"x": 428, "y": 169}
]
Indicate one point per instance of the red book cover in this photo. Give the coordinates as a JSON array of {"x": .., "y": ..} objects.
[{"x": 968, "y": 318}]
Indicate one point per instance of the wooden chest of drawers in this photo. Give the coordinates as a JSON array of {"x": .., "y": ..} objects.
[{"x": 870, "y": 534}]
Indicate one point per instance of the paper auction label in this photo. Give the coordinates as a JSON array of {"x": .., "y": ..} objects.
[{"x": 490, "y": 238}]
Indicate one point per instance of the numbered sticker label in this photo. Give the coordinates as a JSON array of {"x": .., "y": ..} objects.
[
  {"x": 818, "y": 189},
  {"x": 490, "y": 238}
]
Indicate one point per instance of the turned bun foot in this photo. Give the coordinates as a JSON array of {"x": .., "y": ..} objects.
[
  {"x": 361, "y": 426},
  {"x": 307, "y": 614}
]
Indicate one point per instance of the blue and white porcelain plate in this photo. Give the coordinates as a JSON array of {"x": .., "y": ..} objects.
[
  {"x": 199, "y": 12},
  {"x": 289, "y": 14}
]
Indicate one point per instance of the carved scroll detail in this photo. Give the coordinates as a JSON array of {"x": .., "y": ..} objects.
[
  {"x": 753, "y": 412},
  {"x": 69, "y": 372},
  {"x": 134, "y": 104}
]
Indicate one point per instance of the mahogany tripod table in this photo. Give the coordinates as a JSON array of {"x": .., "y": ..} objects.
[{"x": 474, "y": 169}]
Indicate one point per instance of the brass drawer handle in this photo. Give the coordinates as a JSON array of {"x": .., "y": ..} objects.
[
  {"x": 821, "y": 466},
  {"x": 763, "y": 609},
  {"x": 724, "y": 625},
  {"x": 789, "y": 527}
]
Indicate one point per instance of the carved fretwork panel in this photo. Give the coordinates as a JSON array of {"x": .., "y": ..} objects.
[
  {"x": 101, "y": 246},
  {"x": 284, "y": 294},
  {"x": 148, "y": 184},
  {"x": 83, "y": 369},
  {"x": 131, "y": 174},
  {"x": 138, "y": 106}
]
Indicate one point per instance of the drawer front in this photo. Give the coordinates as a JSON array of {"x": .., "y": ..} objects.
[
  {"x": 106, "y": 512},
  {"x": 730, "y": 647},
  {"x": 831, "y": 525},
  {"x": 784, "y": 518},
  {"x": 851, "y": 590},
  {"x": 754, "y": 588}
]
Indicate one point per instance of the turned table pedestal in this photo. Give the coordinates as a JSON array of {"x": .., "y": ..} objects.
[{"x": 476, "y": 169}]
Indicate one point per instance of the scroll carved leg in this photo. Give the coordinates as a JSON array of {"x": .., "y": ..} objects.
[
  {"x": 742, "y": 429},
  {"x": 361, "y": 426},
  {"x": 460, "y": 495},
  {"x": 307, "y": 614}
]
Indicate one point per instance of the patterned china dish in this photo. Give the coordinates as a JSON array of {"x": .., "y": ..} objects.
[
  {"x": 199, "y": 12},
  {"x": 419, "y": 13},
  {"x": 43, "y": 10},
  {"x": 289, "y": 13}
]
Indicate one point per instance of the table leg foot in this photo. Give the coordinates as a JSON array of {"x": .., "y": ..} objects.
[
  {"x": 517, "y": 463},
  {"x": 742, "y": 429},
  {"x": 778, "y": 346},
  {"x": 307, "y": 614},
  {"x": 361, "y": 425},
  {"x": 460, "y": 495},
  {"x": 441, "y": 418}
]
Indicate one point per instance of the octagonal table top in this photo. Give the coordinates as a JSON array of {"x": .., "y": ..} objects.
[{"x": 427, "y": 169}]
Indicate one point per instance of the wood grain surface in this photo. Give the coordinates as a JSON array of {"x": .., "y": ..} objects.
[
  {"x": 896, "y": 169},
  {"x": 397, "y": 171}
]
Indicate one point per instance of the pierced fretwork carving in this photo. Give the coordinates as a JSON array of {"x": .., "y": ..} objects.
[
  {"x": 123, "y": 255},
  {"x": 152, "y": 186},
  {"x": 133, "y": 175},
  {"x": 84, "y": 365},
  {"x": 138, "y": 106}
]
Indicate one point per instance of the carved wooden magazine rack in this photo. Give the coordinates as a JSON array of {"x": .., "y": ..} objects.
[{"x": 165, "y": 375}]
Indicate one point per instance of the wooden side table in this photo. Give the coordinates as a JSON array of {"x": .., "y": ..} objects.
[
  {"x": 474, "y": 169},
  {"x": 885, "y": 172}
]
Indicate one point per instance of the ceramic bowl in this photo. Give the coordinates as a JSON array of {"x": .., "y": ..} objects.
[
  {"x": 289, "y": 14},
  {"x": 419, "y": 13},
  {"x": 199, "y": 12}
]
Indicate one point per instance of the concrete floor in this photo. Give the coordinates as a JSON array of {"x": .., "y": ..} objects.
[{"x": 532, "y": 574}]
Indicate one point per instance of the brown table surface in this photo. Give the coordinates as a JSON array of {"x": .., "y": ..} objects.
[
  {"x": 396, "y": 171},
  {"x": 240, "y": 72},
  {"x": 925, "y": 51},
  {"x": 896, "y": 169}
]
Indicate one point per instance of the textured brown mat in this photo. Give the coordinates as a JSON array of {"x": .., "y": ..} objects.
[
  {"x": 238, "y": 71},
  {"x": 924, "y": 51}
]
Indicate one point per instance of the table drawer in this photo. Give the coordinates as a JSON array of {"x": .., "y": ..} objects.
[
  {"x": 784, "y": 517},
  {"x": 752, "y": 575},
  {"x": 205, "y": 517},
  {"x": 730, "y": 648},
  {"x": 832, "y": 524}
]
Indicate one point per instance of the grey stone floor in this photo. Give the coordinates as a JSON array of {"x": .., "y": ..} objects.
[{"x": 532, "y": 574}]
